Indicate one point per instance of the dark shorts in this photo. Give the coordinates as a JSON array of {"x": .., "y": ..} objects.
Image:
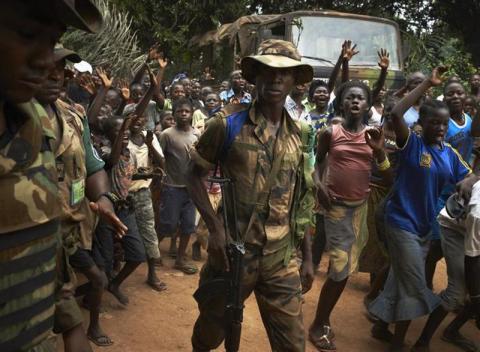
[
  {"x": 176, "y": 209},
  {"x": 103, "y": 242},
  {"x": 81, "y": 259}
]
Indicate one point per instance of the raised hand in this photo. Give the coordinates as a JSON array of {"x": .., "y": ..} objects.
[
  {"x": 153, "y": 53},
  {"x": 437, "y": 75},
  {"x": 124, "y": 90},
  {"x": 375, "y": 138},
  {"x": 348, "y": 51},
  {"x": 106, "y": 81},
  {"x": 162, "y": 62},
  {"x": 87, "y": 83},
  {"x": 383, "y": 58}
]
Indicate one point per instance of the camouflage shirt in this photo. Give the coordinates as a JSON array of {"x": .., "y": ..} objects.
[
  {"x": 249, "y": 162},
  {"x": 29, "y": 229},
  {"x": 76, "y": 160},
  {"x": 28, "y": 178}
]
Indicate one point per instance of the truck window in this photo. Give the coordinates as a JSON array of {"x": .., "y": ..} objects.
[{"x": 321, "y": 37}]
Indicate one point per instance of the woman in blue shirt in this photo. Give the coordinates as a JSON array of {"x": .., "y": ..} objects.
[{"x": 425, "y": 165}]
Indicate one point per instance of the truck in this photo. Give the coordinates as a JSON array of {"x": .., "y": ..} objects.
[{"x": 318, "y": 35}]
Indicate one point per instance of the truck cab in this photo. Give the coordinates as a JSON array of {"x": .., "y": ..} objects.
[{"x": 319, "y": 35}]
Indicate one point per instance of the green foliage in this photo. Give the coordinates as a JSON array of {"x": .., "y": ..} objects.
[{"x": 115, "y": 47}]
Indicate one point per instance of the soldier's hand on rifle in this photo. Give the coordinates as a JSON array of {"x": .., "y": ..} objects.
[{"x": 217, "y": 248}]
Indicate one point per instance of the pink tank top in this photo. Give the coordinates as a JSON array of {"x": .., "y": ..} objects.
[{"x": 349, "y": 165}]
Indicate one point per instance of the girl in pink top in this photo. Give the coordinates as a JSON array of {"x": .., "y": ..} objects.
[{"x": 351, "y": 147}]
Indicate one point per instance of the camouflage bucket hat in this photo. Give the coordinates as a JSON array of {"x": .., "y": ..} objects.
[
  {"x": 277, "y": 54},
  {"x": 60, "y": 53},
  {"x": 81, "y": 14}
]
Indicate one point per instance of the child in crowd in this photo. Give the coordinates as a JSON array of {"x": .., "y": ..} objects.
[
  {"x": 374, "y": 258},
  {"x": 460, "y": 136},
  {"x": 177, "y": 209},
  {"x": 236, "y": 94},
  {"x": 212, "y": 104},
  {"x": 121, "y": 169},
  {"x": 351, "y": 149},
  {"x": 425, "y": 165},
  {"x": 145, "y": 153}
]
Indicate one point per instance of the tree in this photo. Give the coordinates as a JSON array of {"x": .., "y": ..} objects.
[{"x": 115, "y": 47}]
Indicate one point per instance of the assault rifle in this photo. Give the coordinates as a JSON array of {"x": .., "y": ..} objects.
[{"x": 229, "y": 285}]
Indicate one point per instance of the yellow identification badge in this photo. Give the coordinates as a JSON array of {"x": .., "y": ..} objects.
[
  {"x": 77, "y": 192},
  {"x": 426, "y": 160}
]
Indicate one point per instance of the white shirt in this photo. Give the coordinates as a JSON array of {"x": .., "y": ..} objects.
[
  {"x": 296, "y": 112},
  {"x": 139, "y": 158}
]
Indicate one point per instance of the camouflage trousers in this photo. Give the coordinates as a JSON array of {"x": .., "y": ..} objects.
[
  {"x": 145, "y": 218},
  {"x": 27, "y": 286},
  {"x": 277, "y": 290}
]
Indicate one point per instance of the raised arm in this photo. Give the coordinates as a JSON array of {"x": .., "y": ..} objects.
[
  {"x": 125, "y": 94},
  {"x": 154, "y": 85},
  {"x": 153, "y": 54},
  {"x": 383, "y": 62},
  {"x": 120, "y": 141},
  {"x": 94, "y": 108},
  {"x": 348, "y": 52},
  {"x": 399, "y": 125},
  {"x": 336, "y": 69}
]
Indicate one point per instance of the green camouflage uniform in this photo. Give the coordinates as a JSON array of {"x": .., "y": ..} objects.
[
  {"x": 29, "y": 214},
  {"x": 77, "y": 222},
  {"x": 276, "y": 227}
]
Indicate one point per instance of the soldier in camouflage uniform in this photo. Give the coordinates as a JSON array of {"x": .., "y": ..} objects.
[
  {"x": 271, "y": 162},
  {"x": 80, "y": 175},
  {"x": 29, "y": 211}
]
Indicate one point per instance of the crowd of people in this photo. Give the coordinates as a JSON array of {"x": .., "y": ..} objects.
[{"x": 96, "y": 171}]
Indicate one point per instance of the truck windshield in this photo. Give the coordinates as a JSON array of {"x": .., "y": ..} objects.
[{"x": 319, "y": 40}]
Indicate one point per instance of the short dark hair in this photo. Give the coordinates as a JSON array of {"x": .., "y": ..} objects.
[
  {"x": 452, "y": 80},
  {"x": 108, "y": 125},
  {"x": 165, "y": 113},
  {"x": 351, "y": 84},
  {"x": 429, "y": 107},
  {"x": 313, "y": 87},
  {"x": 180, "y": 102}
]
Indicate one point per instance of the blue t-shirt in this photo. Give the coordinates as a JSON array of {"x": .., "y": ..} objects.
[
  {"x": 422, "y": 172},
  {"x": 411, "y": 117},
  {"x": 460, "y": 137}
]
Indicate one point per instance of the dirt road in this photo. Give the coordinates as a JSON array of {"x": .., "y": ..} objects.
[{"x": 157, "y": 322}]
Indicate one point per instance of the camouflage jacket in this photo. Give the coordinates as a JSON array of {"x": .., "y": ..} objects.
[
  {"x": 28, "y": 178},
  {"x": 73, "y": 169},
  {"x": 29, "y": 213},
  {"x": 287, "y": 209}
]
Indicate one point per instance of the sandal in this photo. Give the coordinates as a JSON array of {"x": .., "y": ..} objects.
[
  {"x": 157, "y": 285},
  {"x": 188, "y": 269},
  {"x": 102, "y": 340},
  {"x": 323, "y": 343},
  {"x": 460, "y": 341}
]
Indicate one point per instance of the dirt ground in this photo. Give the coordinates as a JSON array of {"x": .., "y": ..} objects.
[{"x": 163, "y": 321}]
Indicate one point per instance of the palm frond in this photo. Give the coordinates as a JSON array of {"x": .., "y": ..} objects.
[{"x": 114, "y": 47}]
